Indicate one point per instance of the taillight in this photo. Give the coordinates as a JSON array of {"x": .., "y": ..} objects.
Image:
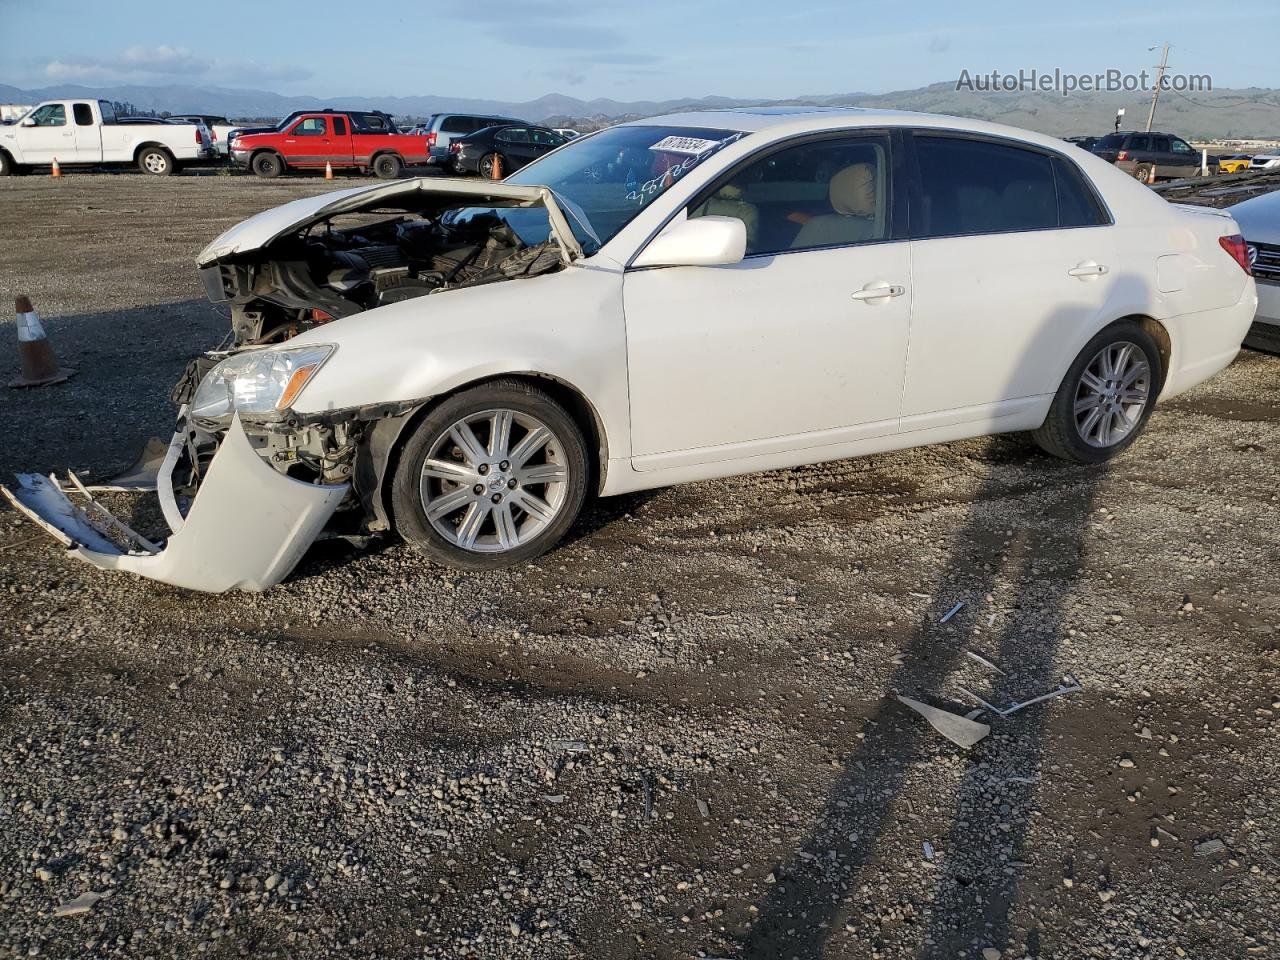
[
  {"x": 1122, "y": 155},
  {"x": 431, "y": 140},
  {"x": 213, "y": 135},
  {"x": 197, "y": 136},
  {"x": 1239, "y": 251}
]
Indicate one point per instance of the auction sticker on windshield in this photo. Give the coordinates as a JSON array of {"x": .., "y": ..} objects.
[{"x": 690, "y": 145}]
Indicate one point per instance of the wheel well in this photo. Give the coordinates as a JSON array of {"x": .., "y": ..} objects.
[
  {"x": 147, "y": 146},
  {"x": 386, "y": 439},
  {"x": 387, "y": 152},
  {"x": 1164, "y": 343},
  {"x": 261, "y": 150}
]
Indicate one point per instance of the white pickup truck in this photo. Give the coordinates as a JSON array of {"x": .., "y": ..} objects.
[{"x": 85, "y": 133}]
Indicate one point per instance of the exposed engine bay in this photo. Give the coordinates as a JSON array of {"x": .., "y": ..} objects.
[{"x": 326, "y": 271}]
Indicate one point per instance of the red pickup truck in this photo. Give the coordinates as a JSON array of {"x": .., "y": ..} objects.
[{"x": 367, "y": 141}]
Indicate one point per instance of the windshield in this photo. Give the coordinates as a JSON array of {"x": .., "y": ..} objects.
[{"x": 607, "y": 178}]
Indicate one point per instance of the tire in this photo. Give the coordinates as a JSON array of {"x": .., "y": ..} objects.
[
  {"x": 469, "y": 512},
  {"x": 156, "y": 161},
  {"x": 485, "y": 167},
  {"x": 1144, "y": 173},
  {"x": 7, "y": 167},
  {"x": 267, "y": 165},
  {"x": 1070, "y": 430},
  {"x": 387, "y": 166}
]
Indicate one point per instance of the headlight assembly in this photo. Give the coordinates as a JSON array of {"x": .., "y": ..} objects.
[{"x": 260, "y": 384}]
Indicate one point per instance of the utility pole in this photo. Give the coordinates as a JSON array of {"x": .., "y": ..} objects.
[{"x": 1155, "y": 94}]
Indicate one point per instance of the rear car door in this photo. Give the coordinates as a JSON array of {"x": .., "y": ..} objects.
[
  {"x": 802, "y": 344},
  {"x": 87, "y": 131},
  {"x": 342, "y": 141},
  {"x": 1013, "y": 261},
  {"x": 1161, "y": 157},
  {"x": 516, "y": 145}
]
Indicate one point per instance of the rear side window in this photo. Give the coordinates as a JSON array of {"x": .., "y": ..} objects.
[
  {"x": 514, "y": 135},
  {"x": 457, "y": 125},
  {"x": 1140, "y": 142},
  {"x": 1112, "y": 141},
  {"x": 974, "y": 186},
  {"x": 340, "y": 126},
  {"x": 83, "y": 114},
  {"x": 1078, "y": 204},
  {"x": 1160, "y": 144},
  {"x": 107, "y": 110}
]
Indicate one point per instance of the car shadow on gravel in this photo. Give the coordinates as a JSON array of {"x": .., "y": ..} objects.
[{"x": 989, "y": 812}]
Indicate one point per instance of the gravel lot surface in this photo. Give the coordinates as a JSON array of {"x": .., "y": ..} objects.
[{"x": 675, "y": 736}]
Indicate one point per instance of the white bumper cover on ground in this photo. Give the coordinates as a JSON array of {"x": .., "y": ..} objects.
[{"x": 247, "y": 528}]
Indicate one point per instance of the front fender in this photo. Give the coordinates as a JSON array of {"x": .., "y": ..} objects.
[{"x": 567, "y": 325}]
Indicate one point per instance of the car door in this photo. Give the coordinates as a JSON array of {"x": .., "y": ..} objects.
[
  {"x": 1183, "y": 157},
  {"x": 515, "y": 144},
  {"x": 343, "y": 145},
  {"x": 543, "y": 141},
  {"x": 1161, "y": 158},
  {"x": 800, "y": 345},
  {"x": 306, "y": 141},
  {"x": 87, "y": 132},
  {"x": 50, "y": 137},
  {"x": 1013, "y": 260}
]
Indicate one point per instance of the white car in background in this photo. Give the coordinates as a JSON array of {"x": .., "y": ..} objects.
[
  {"x": 1259, "y": 220},
  {"x": 1265, "y": 161},
  {"x": 666, "y": 301}
]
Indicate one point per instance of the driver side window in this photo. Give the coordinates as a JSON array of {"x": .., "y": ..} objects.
[
  {"x": 310, "y": 127},
  {"x": 50, "y": 115},
  {"x": 825, "y": 193}
]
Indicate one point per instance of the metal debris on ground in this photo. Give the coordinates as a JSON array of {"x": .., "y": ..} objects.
[
  {"x": 703, "y": 808},
  {"x": 81, "y": 904},
  {"x": 570, "y": 746},
  {"x": 1070, "y": 685},
  {"x": 952, "y": 612},
  {"x": 1209, "y": 847},
  {"x": 984, "y": 661},
  {"x": 554, "y": 797},
  {"x": 928, "y": 850},
  {"x": 959, "y": 730}
]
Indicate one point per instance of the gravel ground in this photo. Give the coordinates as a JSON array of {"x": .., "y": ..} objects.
[{"x": 673, "y": 737}]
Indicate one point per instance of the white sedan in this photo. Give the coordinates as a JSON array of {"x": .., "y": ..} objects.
[{"x": 462, "y": 363}]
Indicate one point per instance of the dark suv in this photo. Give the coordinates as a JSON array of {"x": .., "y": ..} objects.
[{"x": 1149, "y": 156}]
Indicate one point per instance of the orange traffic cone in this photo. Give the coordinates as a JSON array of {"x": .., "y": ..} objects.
[
  {"x": 328, "y": 170},
  {"x": 39, "y": 365},
  {"x": 497, "y": 167},
  {"x": 57, "y": 170}
]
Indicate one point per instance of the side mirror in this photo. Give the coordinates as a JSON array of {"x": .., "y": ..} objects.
[
  {"x": 28, "y": 122},
  {"x": 697, "y": 242}
]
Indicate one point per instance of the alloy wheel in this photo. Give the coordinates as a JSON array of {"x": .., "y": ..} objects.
[
  {"x": 155, "y": 162},
  {"x": 1112, "y": 394},
  {"x": 494, "y": 480}
]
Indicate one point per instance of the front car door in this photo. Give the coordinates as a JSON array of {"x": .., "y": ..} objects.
[
  {"x": 307, "y": 142},
  {"x": 801, "y": 345},
  {"x": 1013, "y": 255},
  {"x": 51, "y": 137}
]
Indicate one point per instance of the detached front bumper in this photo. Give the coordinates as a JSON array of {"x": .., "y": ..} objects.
[{"x": 247, "y": 528}]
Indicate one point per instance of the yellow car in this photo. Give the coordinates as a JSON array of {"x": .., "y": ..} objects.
[{"x": 1233, "y": 164}]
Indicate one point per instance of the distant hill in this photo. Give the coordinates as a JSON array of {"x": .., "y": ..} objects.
[{"x": 1251, "y": 112}]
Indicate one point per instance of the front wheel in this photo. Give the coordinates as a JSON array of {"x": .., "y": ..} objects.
[
  {"x": 1106, "y": 397},
  {"x": 7, "y": 167},
  {"x": 267, "y": 165},
  {"x": 387, "y": 166},
  {"x": 492, "y": 477},
  {"x": 156, "y": 161}
]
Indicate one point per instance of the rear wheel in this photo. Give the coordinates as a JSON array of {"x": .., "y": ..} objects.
[
  {"x": 492, "y": 477},
  {"x": 487, "y": 164},
  {"x": 387, "y": 166},
  {"x": 1106, "y": 397},
  {"x": 156, "y": 161},
  {"x": 1144, "y": 173},
  {"x": 267, "y": 165}
]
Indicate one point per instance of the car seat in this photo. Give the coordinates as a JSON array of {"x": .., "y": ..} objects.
[{"x": 856, "y": 217}]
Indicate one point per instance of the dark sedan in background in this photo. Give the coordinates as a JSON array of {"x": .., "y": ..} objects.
[{"x": 510, "y": 145}]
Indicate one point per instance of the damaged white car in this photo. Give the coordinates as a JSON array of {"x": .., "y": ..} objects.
[{"x": 461, "y": 363}]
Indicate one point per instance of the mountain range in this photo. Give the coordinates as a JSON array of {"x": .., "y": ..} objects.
[{"x": 1252, "y": 112}]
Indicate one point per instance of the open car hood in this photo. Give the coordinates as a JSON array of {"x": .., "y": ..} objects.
[{"x": 261, "y": 230}]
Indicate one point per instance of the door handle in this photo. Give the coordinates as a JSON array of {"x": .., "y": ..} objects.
[
  {"x": 1087, "y": 271},
  {"x": 879, "y": 291}
]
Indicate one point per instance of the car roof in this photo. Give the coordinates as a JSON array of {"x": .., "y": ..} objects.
[{"x": 798, "y": 120}]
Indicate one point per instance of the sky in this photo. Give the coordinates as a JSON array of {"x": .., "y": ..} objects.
[{"x": 653, "y": 49}]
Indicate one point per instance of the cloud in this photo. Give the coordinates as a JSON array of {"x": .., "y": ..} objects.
[
  {"x": 556, "y": 36},
  {"x": 939, "y": 44},
  {"x": 164, "y": 60},
  {"x": 171, "y": 62}
]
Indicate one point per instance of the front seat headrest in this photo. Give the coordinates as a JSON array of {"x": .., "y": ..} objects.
[{"x": 853, "y": 191}]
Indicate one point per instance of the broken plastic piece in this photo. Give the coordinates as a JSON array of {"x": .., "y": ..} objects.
[
  {"x": 959, "y": 730},
  {"x": 81, "y": 904},
  {"x": 978, "y": 658},
  {"x": 140, "y": 476}
]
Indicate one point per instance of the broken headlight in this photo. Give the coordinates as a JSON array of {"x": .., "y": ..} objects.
[{"x": 260, "y": 384}]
